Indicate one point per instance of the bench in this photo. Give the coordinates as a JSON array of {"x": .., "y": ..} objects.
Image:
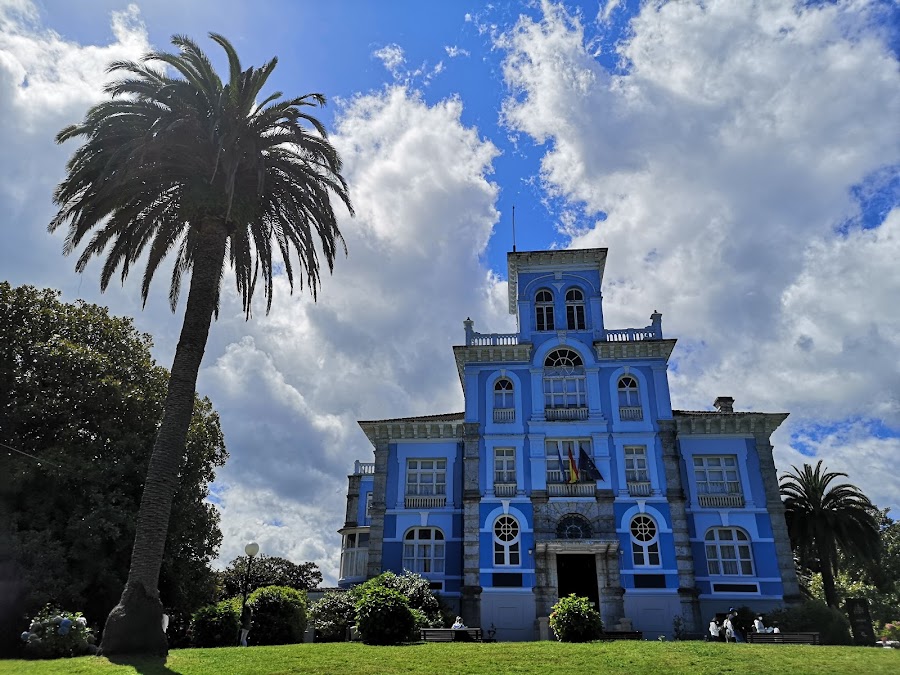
[
  {"x": 608, "y": 635},
  {"x": 783, "y": 638},
  {"x": 450, "y": 634}
]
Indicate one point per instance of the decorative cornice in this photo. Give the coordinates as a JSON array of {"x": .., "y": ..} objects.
[
  {"x": 520, "y": 353},
  {"x": 448, "y": 426},
  {"x": 634, "y": 349},
  {"x": 690, "y": 422},
  {"x": 550, "y": 261}
]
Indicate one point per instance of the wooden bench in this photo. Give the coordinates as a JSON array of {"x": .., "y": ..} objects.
[
  {"x": 783, "y": 638},
  {"x": 450, "y": 634},
  {"x": 608, "y": 635}
]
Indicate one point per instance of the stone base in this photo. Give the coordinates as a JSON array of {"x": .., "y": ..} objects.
[{"x": 134, "y": 626}]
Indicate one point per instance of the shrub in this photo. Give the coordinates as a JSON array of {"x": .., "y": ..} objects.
[
  {"x": 415, "y": 588},
  {"x": 216, "y": 625},
  {"x": 332, "y": 615},
  {"x": 383, "y": 616},
  {"x": 575, "y": 619},
  {"x": 891, "y": 631},
  {"x": 55, "y": 634},
  {"x": 814, "y": 615},
  {"x": 279, "y": 615}
]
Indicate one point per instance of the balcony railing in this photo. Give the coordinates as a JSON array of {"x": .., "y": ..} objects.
[
  {"x": 505, "y": 489},
  {"x": 571, "y": 489},
  {"x": 631, "y": 413},
  {"x": 639, "y": 488},
  {"x": 722, "y": 501},
  {"x": 363, "y": 468},
  {"x": 491, "y": 339},
  {"x": 429, "y": 502},
  {"x": 565, "y": 414},
  {"x": 504, "y": 415}
]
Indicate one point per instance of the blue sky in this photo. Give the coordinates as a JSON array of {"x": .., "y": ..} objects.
[{"x": 740, "y": 160}]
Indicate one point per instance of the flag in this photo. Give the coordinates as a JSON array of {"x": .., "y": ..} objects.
[
  {"x": 562, "y": 465},
  {"x": 573, "y": 467},
  {"x": 586, "y": 465}
]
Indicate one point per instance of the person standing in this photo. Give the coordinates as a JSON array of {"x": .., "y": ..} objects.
[{"x": 246, "y": 622}]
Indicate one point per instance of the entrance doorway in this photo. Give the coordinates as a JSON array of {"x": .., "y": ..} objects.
[{"x": 577, "y": 573}]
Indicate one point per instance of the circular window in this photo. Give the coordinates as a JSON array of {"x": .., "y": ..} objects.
[
  {"x": 643, "y": 528},
  {"x": 506, "y": 528},
  {"x": 573, "y": 526}
]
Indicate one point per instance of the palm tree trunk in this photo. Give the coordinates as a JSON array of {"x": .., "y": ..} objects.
[
  {"x": 135, "y": 624},
  {"x": 826, "y": 569}
]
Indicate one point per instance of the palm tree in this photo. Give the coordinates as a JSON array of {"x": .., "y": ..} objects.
[
  {"x": 191, "y": 165},
  {"x": 821, "y": 518}
]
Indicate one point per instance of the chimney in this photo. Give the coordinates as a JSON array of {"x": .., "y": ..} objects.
[{"x": 724, "y": 404}]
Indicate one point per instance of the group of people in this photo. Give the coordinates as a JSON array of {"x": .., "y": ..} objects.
[{"x": 728, "y": 632}]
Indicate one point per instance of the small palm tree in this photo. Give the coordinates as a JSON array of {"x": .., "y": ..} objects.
[
  {"x": 198, "y": 167},
  {"x": 821, "y": 518}
]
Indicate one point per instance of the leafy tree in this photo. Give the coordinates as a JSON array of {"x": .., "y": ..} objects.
[
  {"x": 332, "y": 615},
  {"x": 202, "y": 168},
  {"x": 414, "y": 587},
  {"x": 269, "y": 570},
  {"x": 823, "y": 518},
  {"x": 81, "y": 395},
  {"x": 383, "y": 616}
]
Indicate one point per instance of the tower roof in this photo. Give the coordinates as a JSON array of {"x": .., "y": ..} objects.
[{"x": 527, "y": 261}]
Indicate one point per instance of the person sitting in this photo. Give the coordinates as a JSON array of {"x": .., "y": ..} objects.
[
  {"x": 458, "y": 624},
  {"x": 713, "y": 630},
  {"x": 759, "y": 626},
  {"x": 775, "y": 628}
]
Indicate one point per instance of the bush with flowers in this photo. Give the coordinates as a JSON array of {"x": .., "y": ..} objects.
[
  {"x": 575, "y": 619},
  {"x": 55, "y": 634},
  {"x": 891, "y": 632}
]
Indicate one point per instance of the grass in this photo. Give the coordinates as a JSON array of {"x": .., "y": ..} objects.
[{"x": 545, "y": 658}]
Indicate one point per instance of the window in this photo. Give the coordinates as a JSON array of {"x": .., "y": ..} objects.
[
  {"x": 506, "y": 542},
  {"x": 423, "y": 550},
  {"x": 564, "y": 384},
  {"x": 717, "y": 475},
  {"x": 505, "y": 465},
  {"x": 644, "y": 542},
  {"x": 728, "y": 552},
  {"x": 636, "y": 464},
  {"x": 426, "y": 477},
  {"x": 355, "y": 555},
  {"x": 629, "y": 400},
  {"x": 543, "y": 310},
  {"x": 574, "y": 309},
  {"x": 504, "y": 401},
  {"x": 573, "y": 526},
  {"x": 368, "y": 515}
]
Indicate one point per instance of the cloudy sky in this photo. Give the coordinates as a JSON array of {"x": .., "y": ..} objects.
[{"x": 741, "y": 161}]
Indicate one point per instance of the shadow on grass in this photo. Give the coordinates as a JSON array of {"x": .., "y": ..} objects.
[{"x": 145, "y": 665}]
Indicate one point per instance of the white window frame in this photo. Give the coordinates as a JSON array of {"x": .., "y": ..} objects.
[
  {"x": 504, "y": 393},
  {"x": 575, "y": 316},
  {"x": 543, "y": 310},
  {"x": 507, "y": 536},
  {"x": 556, "y": 447},
  {"x": 644, "y": 545},
  {"x": 729, "y": 552},
  {"x": 426, "y": 477},
  {"x": 565, "y": 385},
  {"x": 354, "y": 555},
  {"x": 637, "y": 470},
  {"x": 424, "y": 554},
  {"x": 368, "y": 512},
  {"x": 505, "y": 465},
  {"x": 717, "y": 475}
]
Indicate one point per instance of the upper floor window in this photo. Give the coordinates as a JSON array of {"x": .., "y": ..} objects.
[
  {"x": 718, "y": 480},
  {"x": 575, "y": 309},
  {"x": 728, "y": 552},
  {"x": 368, "y": 514},
  {"x": 507, "y": 547},
  {"x": 644, "y": 541},
  {"x": 564, "y": 384},
  {"x": 355, "y": 555},
  {"x": 426, "y": 477},
  {"x": 504, "y": 401},
  {"x": 629, "y": 399},
  {"x": 505, "y": 465},
  {"x": 423, "y": 550},
  {"x": 543, "y": 310}
]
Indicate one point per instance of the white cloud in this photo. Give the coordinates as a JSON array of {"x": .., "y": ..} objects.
[
  {"x": 453, "y": 51},
  {"x": 392, "y": 57}
]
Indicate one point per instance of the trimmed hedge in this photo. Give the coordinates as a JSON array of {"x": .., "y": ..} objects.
[
  {"x": 216, "y": 625},
  {"x": 575, "y": 619},
  {"x": 383, "y": 616},
  {"x": 279, "y": 615}
]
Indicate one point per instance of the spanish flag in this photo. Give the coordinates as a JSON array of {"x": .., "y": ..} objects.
[{"x": 573, "y": 467}]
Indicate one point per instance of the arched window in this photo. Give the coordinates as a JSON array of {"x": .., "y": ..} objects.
[
  {"x": 574, "y": 309},
  {"x": 423, "y": 550},
  {"x": 507, "y": 547},
  {"x": 644, "y": 541},
  {"x": 564, "y": 384},
  {"x": 573, "y": 526},
  {"x": 630, "y": 399},
  {"x": 543, "y": 310},
  {"x": 503, "y": 393},
  {"x": 728, "y": 552}
]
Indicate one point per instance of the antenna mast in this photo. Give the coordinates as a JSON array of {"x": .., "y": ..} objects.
[{"x": 514, "y": 227}]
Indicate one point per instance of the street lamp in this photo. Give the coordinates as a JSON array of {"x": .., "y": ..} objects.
[{"x": 251, "y": 549}]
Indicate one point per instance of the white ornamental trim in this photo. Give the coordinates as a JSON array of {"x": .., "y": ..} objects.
[{"x": 638, "y": 349}]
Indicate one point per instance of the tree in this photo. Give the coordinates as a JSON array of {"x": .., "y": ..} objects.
[
  {"x": 198, "y": 166},
  {"x": 268, "y": 570},
  {"x": 81, "y": 396},
  {"x": 823, "y": 518}
]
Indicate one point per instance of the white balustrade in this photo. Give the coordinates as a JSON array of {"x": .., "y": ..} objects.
[
  {"x": 504, "y": 415},
  {"x": 363, "y": 468},
  {"x": 565, "y": 414},
  {"x": 571, "y": 489},
  {"x": 639, "y": 488},
  {"x": 631, "y": 413},
  {"x": 491, "y": 339},
  {"x": 425, "y": 502},
  {"x": 505, "y": 489},
  {"x": 722, "y": 501}
]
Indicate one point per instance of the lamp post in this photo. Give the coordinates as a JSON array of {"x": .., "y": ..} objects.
[{"x": 251, "y": 549}]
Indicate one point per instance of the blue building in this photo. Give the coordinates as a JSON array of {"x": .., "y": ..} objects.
[{"x": 569, "y": 472}]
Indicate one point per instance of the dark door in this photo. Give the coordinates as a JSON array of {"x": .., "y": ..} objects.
[{"x": 577, "y": 573}]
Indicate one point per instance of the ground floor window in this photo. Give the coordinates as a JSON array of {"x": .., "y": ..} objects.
[
  {"x": 728, "y": 552},
  {"x": 423, "y": 550},
  {"x": 507, "y": 551}
]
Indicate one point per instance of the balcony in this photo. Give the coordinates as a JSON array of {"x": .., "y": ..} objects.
[
  {"x": 639, "y": 488},
  {"x": 504, "y": 415},
  {"x": 505, "y": 489},
  {"x": 571, "y": 489},
  {"x": 734, "y": 500},
  {"x": 565, "y": 414},
  {"x": 363, "y": 468},
  {"x": 425, "y": 501},
  {"x": 651, "y": 332},
  {"x": 474, "y": 339},
  {"x": 631, "y": 414}
]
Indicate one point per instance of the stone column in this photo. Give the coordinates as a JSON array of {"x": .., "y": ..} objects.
[
  {"x": 351, "y": 517},
  {"x": 684, "y": 559},
  {"x": 612, "y": 606},
  {"x": 775, "y": 507},
  {"x": 376, "y": 529},
  {"x": 470, "y": 604}
]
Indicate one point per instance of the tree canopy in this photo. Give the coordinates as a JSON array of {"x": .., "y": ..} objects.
[
  {"x": 80, "y": 402},
  {"x": 269, "y": 570}
]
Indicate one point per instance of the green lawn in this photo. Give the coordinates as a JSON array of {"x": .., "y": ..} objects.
[{"x": 528, "y": 657}]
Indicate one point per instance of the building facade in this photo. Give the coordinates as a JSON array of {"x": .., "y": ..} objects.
[{"x": 569, "y": 472}]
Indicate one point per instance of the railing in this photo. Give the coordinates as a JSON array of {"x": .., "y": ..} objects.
[
  {"x": 504, "y": 415},
  {"x": 363, "y": 468},
  {"x": 733, "y": 500},
  {"x": 639, "y": 488},
  {"x": 571, "y": 489},
  {"x": 631, "y": 413},
  {"x": 430, "y": 502},
  {"x": 505, "y": 489},
  {"x": 491, "y": 339},
  {"x": 565, "y": 414},
  {"x": 651, "y": 332}
]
